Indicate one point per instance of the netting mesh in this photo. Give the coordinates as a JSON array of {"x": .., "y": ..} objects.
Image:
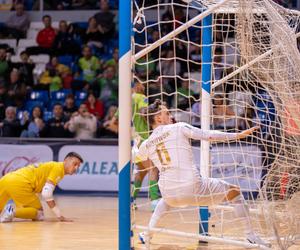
[{"x": 255, "y": 81}]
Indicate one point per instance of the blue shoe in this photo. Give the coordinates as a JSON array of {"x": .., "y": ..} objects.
[
  {"x": 144, "y": 237},
  {"x": 8, "y": 213}
]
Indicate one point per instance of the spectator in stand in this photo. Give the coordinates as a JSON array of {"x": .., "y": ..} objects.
[
  {"x": 196, "y": 114},
  {"x": 45, "y": 39},
  {"x": 55, "y": 75},
  {"x": 64, "y": 42},
  {"x": 4, "y": 64},
  {"x": 17, "y": 89},
  {"x": 11, "y": 126},
  {"x": 223, "y": 115},
  {"x": 69, "y": 107},
  {"x": 109, "y": 126},
  {"x": 105, "y": 20},
  {"x": 145, "y": 67},
  {"x": 35, "y": 125},
  {"x": 56, "y": 81},
  {"x": 88, "y": 65},
  {"x": 95, "y": 106},
  {"x": 108, "y": 85},
  {"x": 56, "y": 127},
  {"x": 25, "y": 68},
  {"x": 195, "y": 57},
  {"x": 83, "y": 123},
  {"x": 3, "y": 100},
  {"x": 169, "y": 66},
  {"x": 184, "y": 94},
  {"x": 17, "y": 24},
  {"x": 93, "y": 35},
  {"x": 114, "y": 61}
]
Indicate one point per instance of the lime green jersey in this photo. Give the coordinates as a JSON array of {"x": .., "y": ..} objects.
[{"x": 139, "y": 122}]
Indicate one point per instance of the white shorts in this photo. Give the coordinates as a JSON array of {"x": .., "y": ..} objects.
[{"x": 205, "y": 192}]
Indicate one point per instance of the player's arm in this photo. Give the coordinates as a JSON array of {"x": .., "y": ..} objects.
[
  {"x": 47, "y": 194},
  {"x": 142, "y": 153},
  {"x": 214, "y": 135}
]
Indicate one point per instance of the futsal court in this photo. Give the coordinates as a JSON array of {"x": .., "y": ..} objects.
[{"x": 95, "y": 226}]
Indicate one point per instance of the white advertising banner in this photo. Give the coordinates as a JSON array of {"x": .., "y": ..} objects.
[
  {"x": 236, "y": 164},
  {"x": 99, "y": 171},
  {"x": 13, "y": 157},
  {"x": 240, "y": 165}
]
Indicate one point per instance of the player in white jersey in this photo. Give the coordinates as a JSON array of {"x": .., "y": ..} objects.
[{"x": 180, "y": 183}]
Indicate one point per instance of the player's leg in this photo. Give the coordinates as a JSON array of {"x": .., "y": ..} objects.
[
  {"x": 153, "y": 185},
  {"x": 241, "y": 210},
  {"x": 160, "y": 210},
  {"x": 6, "y": 209},
  {"x": 28, "y": 205},
  {"x": 219, "y": 191},
  {"x": 139, "y": 176}
]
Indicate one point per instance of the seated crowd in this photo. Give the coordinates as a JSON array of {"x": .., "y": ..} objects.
[{"x": 76, "y": 93}]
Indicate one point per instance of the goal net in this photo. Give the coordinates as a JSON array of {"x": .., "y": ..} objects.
[{"x": 254, "y": 80}]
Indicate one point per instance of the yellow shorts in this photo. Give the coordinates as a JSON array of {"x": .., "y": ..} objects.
[{"x": 19, "y": 190}]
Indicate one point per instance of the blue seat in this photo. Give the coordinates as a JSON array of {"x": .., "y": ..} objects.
[
  {"x": 66, "y": 60},
  {"x": 82, "y": 25},
  {"x": 60, "y": 94},
  {"x": 78, "y": 102},
  {"x": 67, "y": 91},
  {"x": 39, "y": 95},
  {"x": 47, "y": 115},
  {"x": 113, "y": 4},
  {"x": 80, "y": 95},
  {"x": 31, "y": 104}
]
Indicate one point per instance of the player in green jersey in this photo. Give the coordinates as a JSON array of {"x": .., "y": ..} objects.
[{"x": 141, "y": 131}]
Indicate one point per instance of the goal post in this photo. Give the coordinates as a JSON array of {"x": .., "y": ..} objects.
[
  {"x": 125, "y": 78},
  {"x": 207, "y": 42}
]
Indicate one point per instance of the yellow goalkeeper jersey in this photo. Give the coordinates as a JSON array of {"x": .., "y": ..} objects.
[{"x": 37, "y": 175}]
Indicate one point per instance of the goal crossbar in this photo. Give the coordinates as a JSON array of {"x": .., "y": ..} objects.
[{"x": 177, "y": 31}]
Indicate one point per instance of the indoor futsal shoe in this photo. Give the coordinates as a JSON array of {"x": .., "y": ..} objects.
[
  {"x": 144, "y": 237},
  {"x": 255, "y": 239},
  {"x": 8, "y": 213}
]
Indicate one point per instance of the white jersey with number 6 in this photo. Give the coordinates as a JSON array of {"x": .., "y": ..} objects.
[{"x": 170, "y": 150}]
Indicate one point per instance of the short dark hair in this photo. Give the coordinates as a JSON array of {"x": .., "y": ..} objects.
[
  {"x": 46, "y": 16},
  {"x": 153, "y": 109},
  {"x": 74, "y": 154},
  {"x": 57, "y": 104},
  {"x": 23, "y": 53}
]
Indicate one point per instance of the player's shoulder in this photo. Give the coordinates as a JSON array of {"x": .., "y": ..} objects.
[
  {"x": 178, "y": 125},
  {"x": 52, "y": 163}
]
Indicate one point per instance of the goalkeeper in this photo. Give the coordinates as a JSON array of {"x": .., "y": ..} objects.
[
  {"x": 180, "y": 183},
  {"x": 139, "y": 105},
  {"x": 19, "y": 189}
]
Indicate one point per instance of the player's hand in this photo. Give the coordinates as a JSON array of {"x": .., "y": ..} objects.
[
  {"x": 247, "y": 132},
  {"x": 64, "y": 219}
]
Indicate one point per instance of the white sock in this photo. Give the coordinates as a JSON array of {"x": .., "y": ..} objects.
[
  {"x": 158, "y": 213},
  {"x": 241, "y": 210}
]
